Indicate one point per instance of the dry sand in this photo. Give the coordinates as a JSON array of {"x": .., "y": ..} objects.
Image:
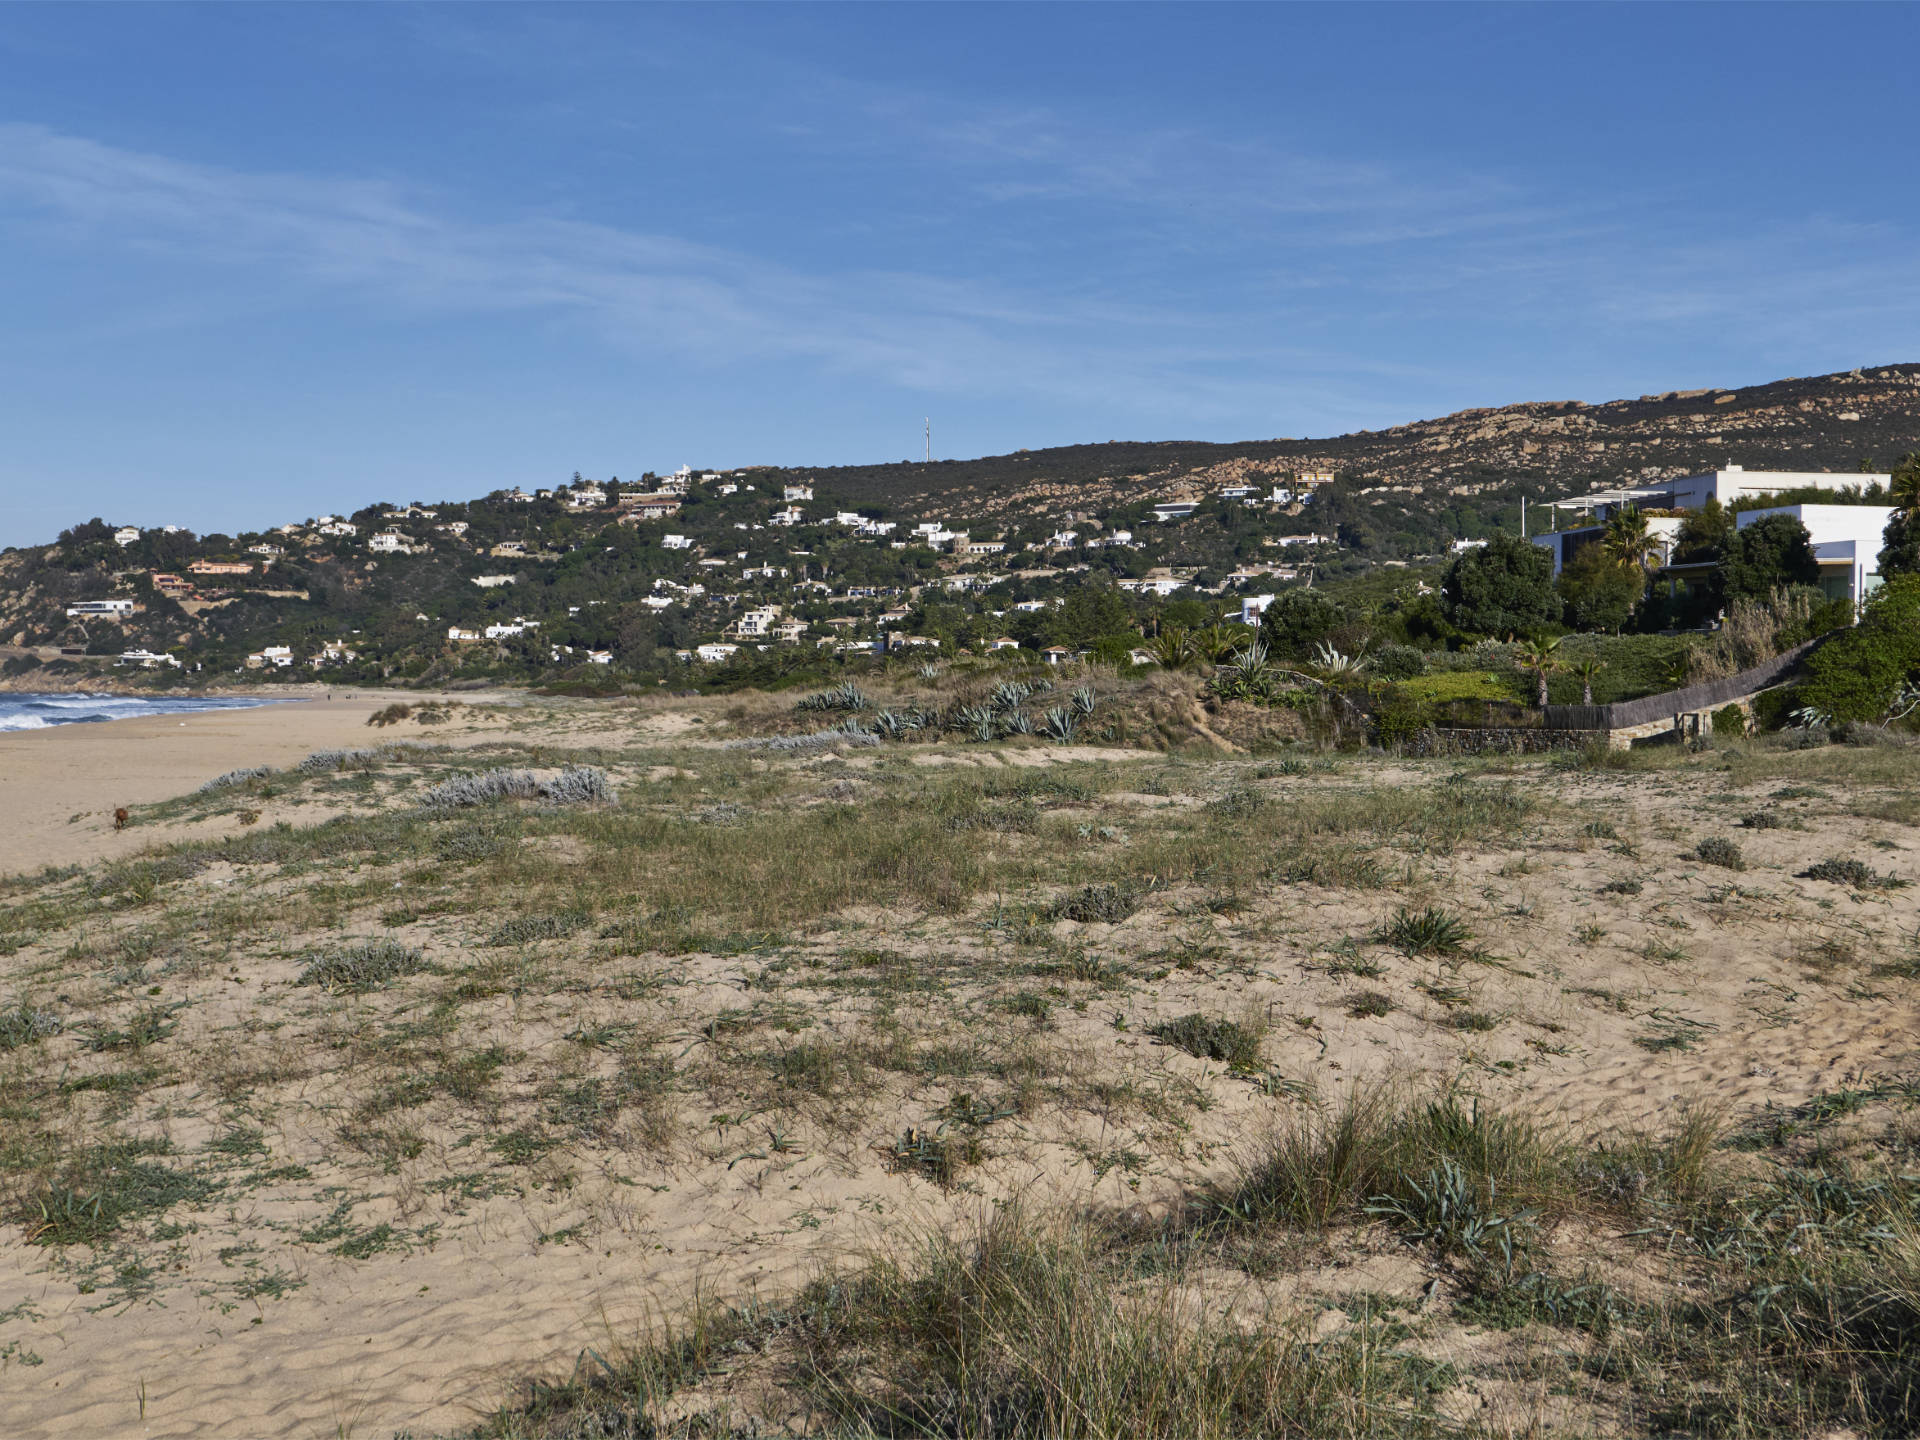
[
  {"x": 592, "y": 1246},
  {"x": 60, "y": 786}
]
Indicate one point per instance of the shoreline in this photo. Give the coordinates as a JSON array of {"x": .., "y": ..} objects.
[{"x": 60, "y": 784}]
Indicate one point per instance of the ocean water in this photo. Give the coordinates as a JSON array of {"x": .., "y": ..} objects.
[{"x": 31, "y": 710}]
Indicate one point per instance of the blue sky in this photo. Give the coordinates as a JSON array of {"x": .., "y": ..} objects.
[{"x": 258, "y": 262}]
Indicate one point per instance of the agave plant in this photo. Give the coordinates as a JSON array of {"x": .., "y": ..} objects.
[
  {"x": 1083, "y": 702},
  {"x": 929, "y": 671},
  {"x": 1061, "y": 723},
  {"x": 1009, "y": 695},
  {"x": 1247, "y": 675},
  {"x": 844, "y": 696},
  {"x": 978, "y": 722},
  {"x": 1017, "y": 722}
]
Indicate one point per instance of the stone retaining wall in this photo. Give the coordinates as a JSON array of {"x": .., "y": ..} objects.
[{"x": 1499, "y": 741}]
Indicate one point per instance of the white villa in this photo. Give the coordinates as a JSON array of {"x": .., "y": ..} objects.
[
  {"x": 1846, "y": 538},
  {"x": 757, "y": 622},
  {"x": 1846, "y": 542},
  {"x": 146, "y": 659}
]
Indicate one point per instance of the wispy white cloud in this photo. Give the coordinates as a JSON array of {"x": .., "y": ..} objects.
[{"x": 375, "y": 241}]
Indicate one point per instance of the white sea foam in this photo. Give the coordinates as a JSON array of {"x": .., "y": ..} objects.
[{"x": 32, "y": 710}]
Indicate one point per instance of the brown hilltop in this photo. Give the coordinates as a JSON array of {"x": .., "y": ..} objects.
[{"x": 1827, "y": 422}]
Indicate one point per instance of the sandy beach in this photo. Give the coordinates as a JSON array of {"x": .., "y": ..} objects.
[
  {"x": 60, "y": 786},
  {"x": 388, "y": 1118}
]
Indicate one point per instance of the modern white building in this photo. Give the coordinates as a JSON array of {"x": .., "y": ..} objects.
[
  {"x": 1692, "y": 492},
  {"x": 126, "y": 535},
  {"x": 1563, "y": 545},
  {"x": 675, "y": 542},
  {"x": 1847, "y": 540}
]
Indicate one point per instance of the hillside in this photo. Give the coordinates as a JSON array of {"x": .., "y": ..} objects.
[
  {"x": 590, "y": 580},
  {"x": 1825, "y": 422}
]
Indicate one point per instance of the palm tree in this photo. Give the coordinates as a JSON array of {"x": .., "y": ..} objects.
[
  {"x": 1586, "y": 669},
  {"x": 1172, "y": 648},
  {"x": 1542, "y": 658},
  {"x": 1904, "y": 490},
  {"x": 1215, "y": 643},
  {"x": 1628, "y": 540}
]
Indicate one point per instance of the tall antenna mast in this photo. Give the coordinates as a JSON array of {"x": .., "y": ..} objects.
[{"x": 929, "y": 440}]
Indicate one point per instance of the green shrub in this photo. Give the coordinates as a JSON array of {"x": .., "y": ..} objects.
[
  {"x": 1718, "y": 850},
  {"x": 1399, "y": 720},
  {"x": 1504, "y": 587},
  {"x": 1399, "y": 662},
  {"x": 1298, "y": 620},
  {"x": 1729, "y": 722},
  {"x": 1856, "y": 873},
  {"x": 1108, "y": 904},
  {"x": 1857, "y": 673}
]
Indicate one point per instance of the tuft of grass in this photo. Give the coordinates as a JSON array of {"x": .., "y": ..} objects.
[
  {"x": 1108, "y": 904},
  {"x": 1331, "y": 1161},
  {"x": 1024, "y": 1329},
  {"x": 1622, "y": 887},
  {"x": 1212, "y": 1037},
  {"x": 359, "y": 968},
  {"x": 148, "y": 1026},
  {"x": 99, "y": 1190},
  {"x": 1473, "y": 1020},
  {"x": 1335, "y": 868},
  {"x": 1429, "y": 930},
  {"x": 521, "y": 929},
  {"x": 1370, "y": 1004},
  {"x": 22, "y": 1024}
]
